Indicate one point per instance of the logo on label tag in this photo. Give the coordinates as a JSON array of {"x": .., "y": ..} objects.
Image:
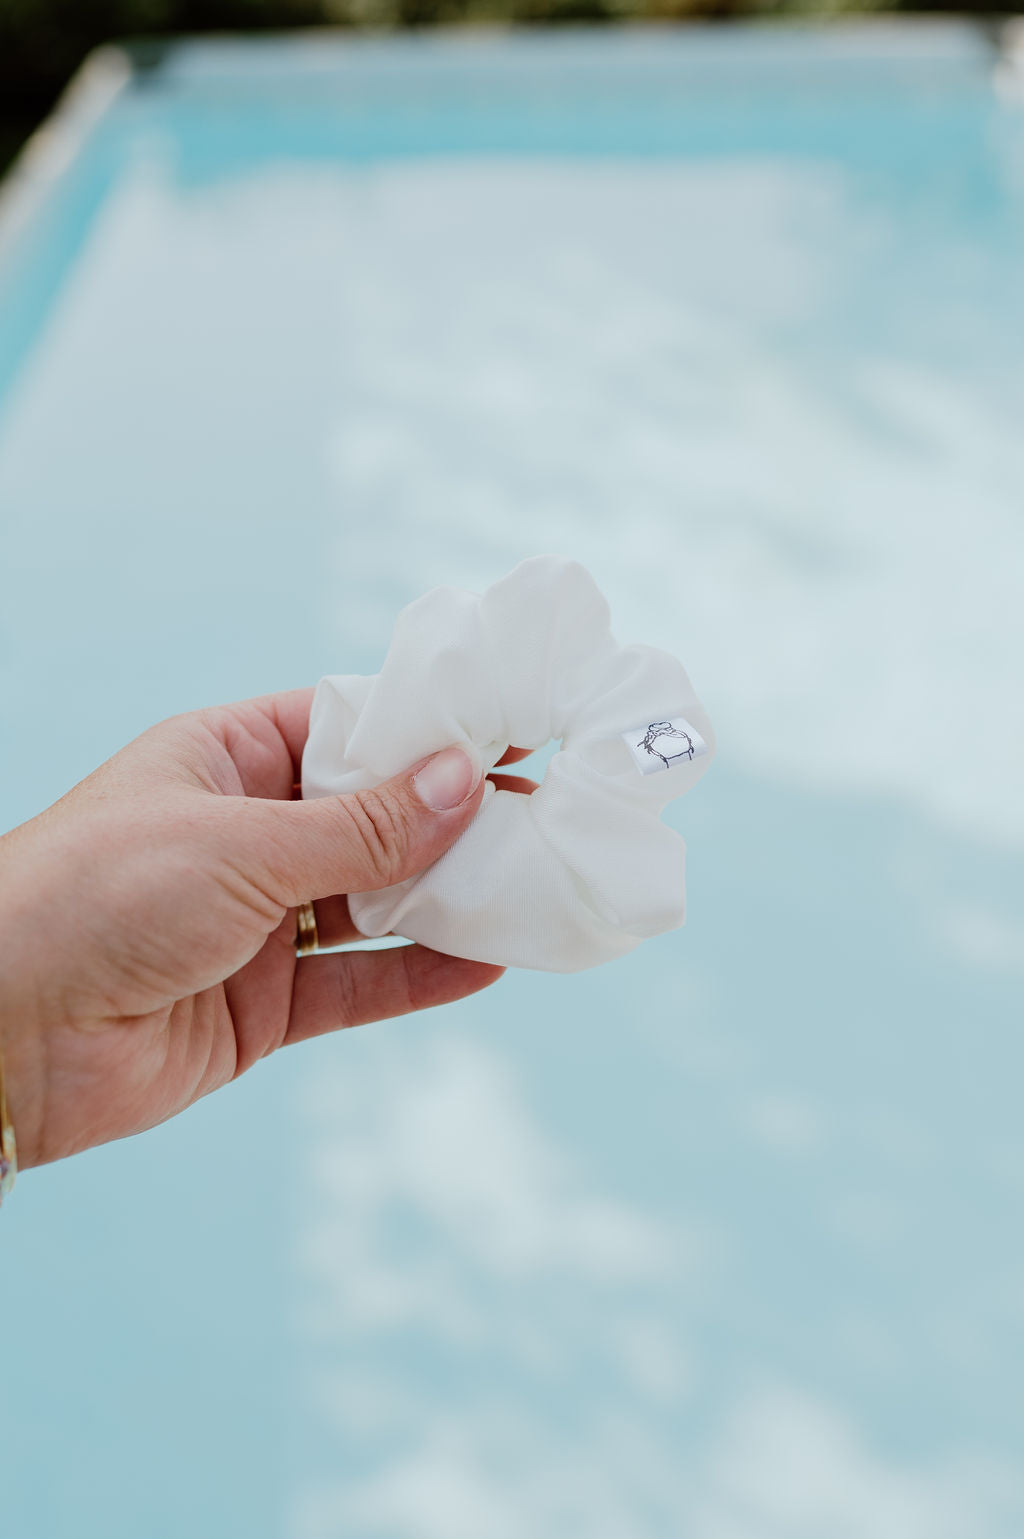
[{"x": 661, "y": 745}]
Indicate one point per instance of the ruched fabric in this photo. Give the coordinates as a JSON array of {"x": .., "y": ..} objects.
[{"x": 584, "y": 869}]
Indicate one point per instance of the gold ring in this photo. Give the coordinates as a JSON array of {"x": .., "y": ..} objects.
[{"x": 307, "y": 939}]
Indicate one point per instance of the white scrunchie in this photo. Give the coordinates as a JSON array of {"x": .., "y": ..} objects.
[{"x": 582, "y": 870}]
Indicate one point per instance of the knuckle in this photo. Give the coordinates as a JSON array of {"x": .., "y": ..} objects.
[
  {"x": 345, "y": 1002},
  {"x": 411, "y": 992},
  {"x": 383, "y": 832}
]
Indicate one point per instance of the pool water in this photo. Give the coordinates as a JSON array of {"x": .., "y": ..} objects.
[{"x": 721, "y": 1241}]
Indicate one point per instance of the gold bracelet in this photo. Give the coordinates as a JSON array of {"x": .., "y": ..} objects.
[{"x": 8, "y": 1147}]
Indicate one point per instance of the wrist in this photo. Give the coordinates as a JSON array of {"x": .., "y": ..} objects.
[
  {"x": 21, "y": 1052},
  {"x": 8, "y": 1142},
  {"x": 21, "y": 1096}
]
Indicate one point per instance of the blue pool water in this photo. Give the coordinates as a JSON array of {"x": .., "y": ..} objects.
[{"x": 722, "y": 1241}]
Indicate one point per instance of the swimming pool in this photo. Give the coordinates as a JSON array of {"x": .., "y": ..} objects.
[{"x": 291, "y": 330}]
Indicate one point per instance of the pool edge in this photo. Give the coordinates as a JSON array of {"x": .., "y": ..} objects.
[{"x": 47, "y": 155}]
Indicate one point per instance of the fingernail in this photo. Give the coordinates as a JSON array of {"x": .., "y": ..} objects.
[{"x": 449, "y": 778}]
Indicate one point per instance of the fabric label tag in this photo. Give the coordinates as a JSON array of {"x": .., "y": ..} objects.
[{"x": 661, "y": 745}]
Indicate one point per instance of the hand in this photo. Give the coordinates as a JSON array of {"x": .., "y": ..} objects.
[{"x": 148, "y": 919}]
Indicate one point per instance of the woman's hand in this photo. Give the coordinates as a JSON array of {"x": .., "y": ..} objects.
[{"x": 148, "y": 919}]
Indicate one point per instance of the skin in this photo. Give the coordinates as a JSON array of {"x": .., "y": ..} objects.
[{"x": 149, "y": 922}]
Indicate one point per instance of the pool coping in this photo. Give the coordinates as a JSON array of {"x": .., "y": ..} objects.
[{"x": 50, "y": 151}]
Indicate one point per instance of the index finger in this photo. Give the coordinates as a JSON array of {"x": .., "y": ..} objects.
[{"x": 289, "y": 711}]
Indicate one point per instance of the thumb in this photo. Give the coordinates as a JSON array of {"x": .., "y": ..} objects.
[{"x": 370, "y": 839}]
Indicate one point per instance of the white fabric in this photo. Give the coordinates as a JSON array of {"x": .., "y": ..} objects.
[{"x": 582, "y": 870}]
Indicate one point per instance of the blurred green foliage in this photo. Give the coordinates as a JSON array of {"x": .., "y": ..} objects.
[{"x": 42, "y": 42}]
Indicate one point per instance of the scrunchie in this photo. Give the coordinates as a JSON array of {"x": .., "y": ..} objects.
[{"x": 582, "y": 870}]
